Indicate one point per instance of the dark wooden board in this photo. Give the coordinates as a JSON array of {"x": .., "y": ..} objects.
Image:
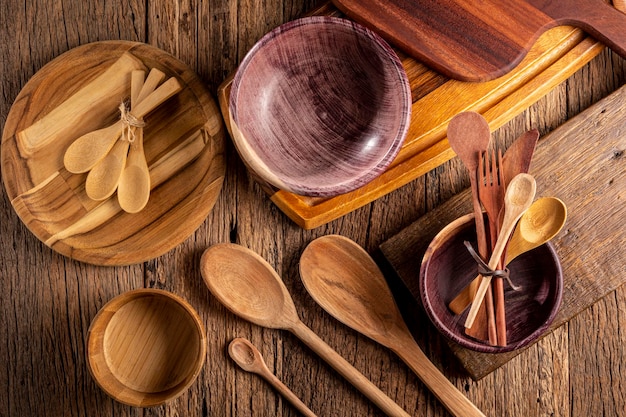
[
  {"x": 478, "y": 41},
  {"x": 582, "y": 162}
]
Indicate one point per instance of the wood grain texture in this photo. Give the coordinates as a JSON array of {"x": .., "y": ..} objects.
[
  {"x": 473, "y": 41},
  {"x": 589, "y": 176},
  {"x": 64, "y": 210},
  {"x": 554, "y": 57},
  {"x": 49, "y": 301},
  {"x": 320, "y": 106}
]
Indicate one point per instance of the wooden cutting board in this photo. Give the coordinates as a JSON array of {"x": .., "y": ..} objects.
[
  {"x": 480, "y": 40},
  {"x": 583, "y": 163},
  {"x": 184, "y": 145},
  {"x": 436, "y": 99}
]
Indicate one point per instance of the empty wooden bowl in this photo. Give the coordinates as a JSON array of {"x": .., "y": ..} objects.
[
  {"x": 319, "y": 106},
  {"x": 448, "y": 267},
  {"x": 146, "y": 347}
]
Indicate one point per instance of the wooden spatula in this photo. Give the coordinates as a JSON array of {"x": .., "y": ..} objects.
[{"x": 481, "y": 40}]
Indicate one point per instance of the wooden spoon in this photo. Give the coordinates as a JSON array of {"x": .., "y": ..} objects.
[
  {"x": 469, "y": 136},
  {"x": 133, "y": 190},
  {"x": 543, "y": 220},
  {"x": 248, "y": 357},
  {"x": 343, "y": 279},
  {"x": 519, "y": 196},
  {"x": 83, "y": 154},
  {"x": 249, "y": 287},
  {"x": 103, "y": 178}
]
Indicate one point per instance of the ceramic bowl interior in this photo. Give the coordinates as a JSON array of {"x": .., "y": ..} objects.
[
  {"x": 146, "y": 347},
  {"x": 448, "y": 267},
  {"x": 319, "y": 106}
]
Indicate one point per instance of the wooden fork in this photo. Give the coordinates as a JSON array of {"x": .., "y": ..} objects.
[{"x": 491, "y": 189}]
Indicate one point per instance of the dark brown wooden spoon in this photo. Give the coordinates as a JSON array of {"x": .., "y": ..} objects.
[
  {"x": 343, "y": 279},
  {"x": 469, "y": 136}
]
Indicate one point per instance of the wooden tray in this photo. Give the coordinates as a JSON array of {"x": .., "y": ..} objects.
[
  {"x": 581, "y": 162},
  {"x": 436, "y": 99},
  {"x": 184, "y": 145}
]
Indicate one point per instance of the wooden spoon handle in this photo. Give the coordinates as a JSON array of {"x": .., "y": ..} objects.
[
  {"x": 339, "y": 364},
  {"x": 287, "y": 393},
  {"x": 455, "y": 402},
  {"x": 158, "y": 96}
]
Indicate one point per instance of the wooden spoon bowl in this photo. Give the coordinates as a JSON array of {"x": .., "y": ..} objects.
[
  {"x": 146, "y": 347},
  {"x": 319, "y": 106},
  {"x": 447, "y": 268}
]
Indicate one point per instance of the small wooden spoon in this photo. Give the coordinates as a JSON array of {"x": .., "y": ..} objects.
[
  {"x": 133, "y": 190},
  {"x": 103, "y": 178},
  {"x": 248, "y": 357},
  {"x": 469, "y": 136},
  {"x": 543, "y": 220},
  {"x": 519, "y": 196},
  {"x": 343, "y": 279},
  {"x": 85, "y": 152},
  {"x": 249, "y": 287}
]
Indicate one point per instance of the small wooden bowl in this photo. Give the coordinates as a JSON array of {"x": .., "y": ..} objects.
[
  {"x": 319, "y": 106},
  {"x": 146, "y": 347},
  {"x": 447, "y": 268}
]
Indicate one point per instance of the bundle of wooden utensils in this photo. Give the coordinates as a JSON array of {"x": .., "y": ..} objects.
[
  {"x": 502, "y": 187},
  {"x": 114, "y": 156}
]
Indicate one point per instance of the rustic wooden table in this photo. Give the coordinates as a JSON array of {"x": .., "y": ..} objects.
[{"x": 49, "y": 301}]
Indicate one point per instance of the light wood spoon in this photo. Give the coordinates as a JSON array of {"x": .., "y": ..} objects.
[
  {"x": 133, "y": 190},
  {"x": 543, "y": 220},
  {"x": 343, "y": 279},
  {"x": 469, "y": 136},
  {"x": 249, "y": 287},
  {"x": 248, "y": 357},
  {"x": 519, "y": 196},
  {"x": 85, "y": 152}
]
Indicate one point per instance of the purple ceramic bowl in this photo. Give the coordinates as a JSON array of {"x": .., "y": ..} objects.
[
  {"x": 447, "y": 268},
  {"x": 320, "y": 106}
]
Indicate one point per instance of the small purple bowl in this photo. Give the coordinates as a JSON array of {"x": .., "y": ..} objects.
[
  {"x": 448, "y": 267},
  {"x": 320, "y": 106}
]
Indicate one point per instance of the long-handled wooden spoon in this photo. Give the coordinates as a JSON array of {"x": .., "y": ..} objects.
[
  {"x": 248, "y": 357},
  {"x": 87, "y": 150},
  {"x": 543, "y": 220},
  {"x": 469, "y": 136},
  {"x": 519, "y": 196},
  {"x": 343, "y": 279},
  {"x": 249, "y": 287}
]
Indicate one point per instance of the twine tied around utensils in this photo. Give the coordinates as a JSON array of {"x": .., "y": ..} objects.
[
  {"x": 130, "y": 122},
  {"x": 485, "y": 271}
]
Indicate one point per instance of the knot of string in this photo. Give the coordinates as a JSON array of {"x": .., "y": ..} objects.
[
  {"x": 130, "y": 123},
  {"x": 485, "y": 271}
]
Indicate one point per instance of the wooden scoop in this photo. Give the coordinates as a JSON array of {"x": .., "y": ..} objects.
[
  {"x": 543, "y": 220},
  {"x": 481, "y": 40},
  {"x": 86, "y": 151},
  {"x": 249, "y": 287},
  {"x": 248, "y": 357},
  {"x": 519, "y": 196},
  {"x": 343, "y": 279}
]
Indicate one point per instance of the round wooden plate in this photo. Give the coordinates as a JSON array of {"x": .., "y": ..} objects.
[{"x": 80, "y": 91}]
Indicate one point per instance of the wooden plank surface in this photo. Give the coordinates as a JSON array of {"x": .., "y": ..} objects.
[
  {"x": 582, "y": 163},
  {"x": 49, "y": 301}
]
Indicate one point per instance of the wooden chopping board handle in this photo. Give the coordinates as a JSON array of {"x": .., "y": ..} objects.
[{"x": 599, "y": 19}]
